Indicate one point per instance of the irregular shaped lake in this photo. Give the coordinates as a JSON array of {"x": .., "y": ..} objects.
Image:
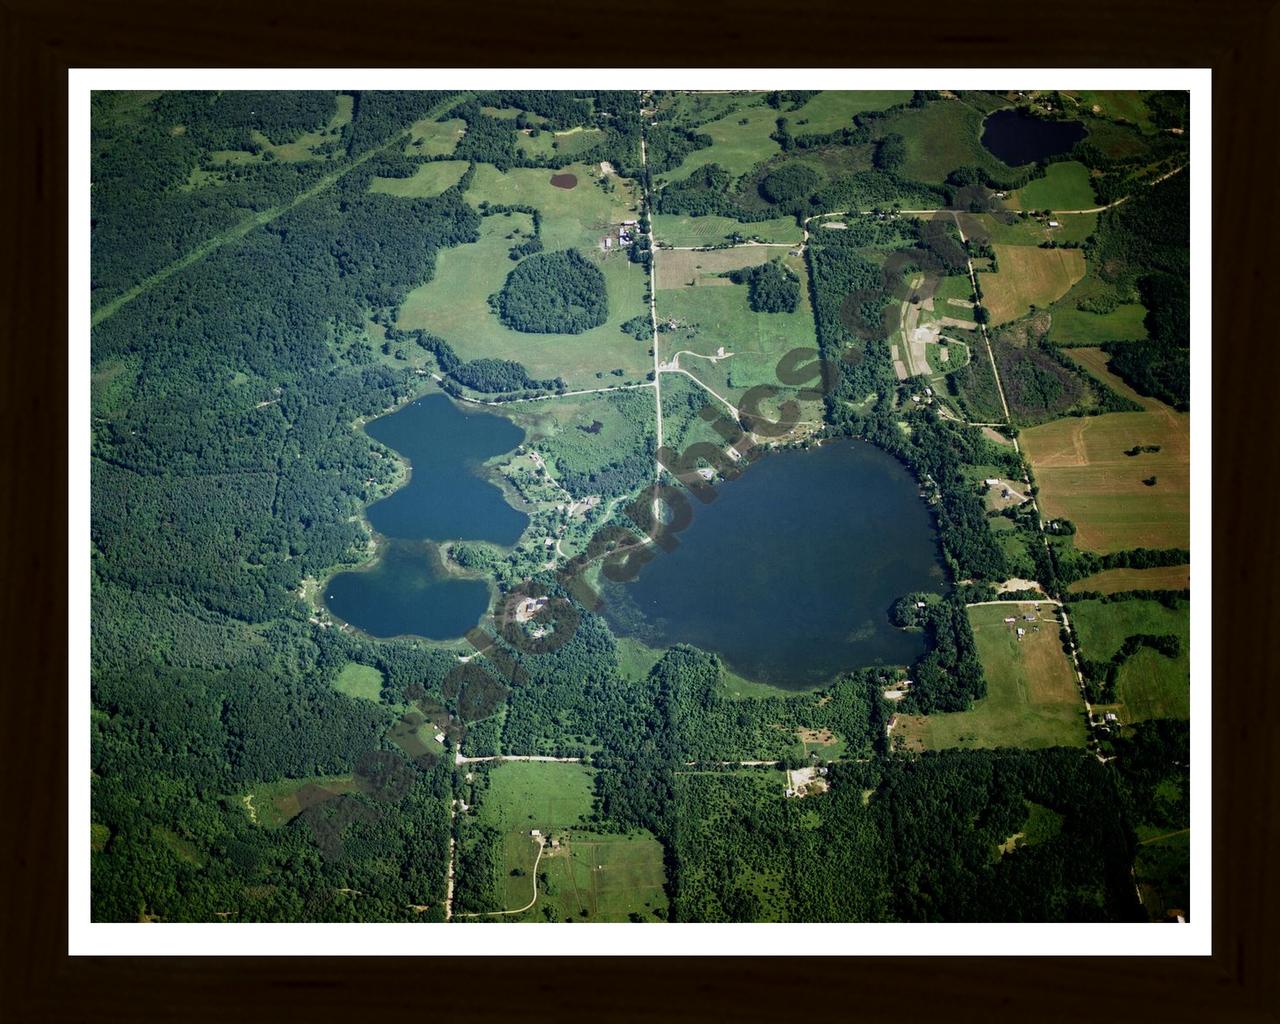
[
  {"x": 1017, "y": 137},
  {"x": 790, "y": 573},
  {"x": 407, "y": 591}
]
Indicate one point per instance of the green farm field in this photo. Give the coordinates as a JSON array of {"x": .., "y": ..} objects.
[
  {"x": 1084, "y": 475},
  {"x": 681, "y": 230},
  {"x": 1065, "y": 186},
  {"x": 586, "y": 877},
  {"x": 429, "y": 137},
  {"x": 1117, "y": 581},
  {"x": 1028, "y": 276},
  {"x": 738, "y": 147},
  {"x": 715, "y": 314},
  {"x": 608, "y": 875},
  {"x": 1117, "y": 104},
  {"x": 577, "y": 217},
  {"x": 833, "y": 109},
  {"x": 1006, "y": 228},
  {"x": 454, "y": 305},
  {"x": 545, "y": 795},
  {"x": 1148, "y": 685},
  {"x": 735, "y": 146},
  {"x": 428, "y": 180},
  {"x": 566, "y": 143},
  {"x": 1072, "y": 326},
  {"x": 1032, "y": 697}
]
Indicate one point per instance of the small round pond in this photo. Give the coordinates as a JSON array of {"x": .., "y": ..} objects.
[{"x": 1018, "y": 138}]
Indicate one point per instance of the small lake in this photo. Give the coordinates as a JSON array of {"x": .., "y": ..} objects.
[
  {"x": 1017, "y": 137},
  {"x": 406, "y": 591},
  {"x": 447, "y": 497},
  {"x": 789, "y": 575}
]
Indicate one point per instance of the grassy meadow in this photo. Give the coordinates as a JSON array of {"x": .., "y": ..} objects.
[
  {"x": 607, "y": 876},
  {"x": 682, "y": 230},
  {"x": 428, "y": 180},
  {"x": 1028, "y": 276},
  {"x": 454, "y": 305},
  {"x": 363, "y": 681},
  {"x": 1072, "y": 326},
  {"x": 1148, "y": 685},
  {"x": 429, "y": 137},
  {"x": 939, "y": 138},
  {"x": 1065, "y": 186},
  {"x": 1117, "y": 581},
  {"x": 713, "y": 313},
  {"x": 1032, "y": 698}
]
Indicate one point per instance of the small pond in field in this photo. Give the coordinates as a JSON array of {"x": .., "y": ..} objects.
[{"x": 1017, "y": 137}]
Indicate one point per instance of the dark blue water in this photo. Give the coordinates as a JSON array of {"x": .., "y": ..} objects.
[
  {"x": 447, "y": 497},
  {"x": 1017, "y": 137},
  {"x": 407, "y": 592},
  {"x": 789, "y": 575}
]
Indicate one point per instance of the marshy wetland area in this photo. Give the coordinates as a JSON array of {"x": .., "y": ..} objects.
[{"x": 590, "y": 505}]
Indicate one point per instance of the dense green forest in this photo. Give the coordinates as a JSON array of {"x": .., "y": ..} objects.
[
  {"x": 1142, "y": 244},
  {"x": 553, "y": 293},
  {"x": 771, "y": 287}
]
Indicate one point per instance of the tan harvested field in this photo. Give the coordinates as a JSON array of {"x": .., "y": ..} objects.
[
  {"x": 1032, "y": 697},
  {"x": 1116, "y": 581},
  {"x": 1029, "y": 276},
  {"x": 1084, "y": 474},
  {"x": 681, "y": 268}
]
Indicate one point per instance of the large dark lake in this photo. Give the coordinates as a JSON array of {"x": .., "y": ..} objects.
[
  {"x": 447, "y": 498},
  {"x": 1017, "y": 137},
  {"x": 790, "y": 573}
]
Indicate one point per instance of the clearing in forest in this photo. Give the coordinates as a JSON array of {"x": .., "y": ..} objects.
[
  {"x": 362, "y": 681},
  {"x": 1085, "y": 475},
  {"x": 1032, "y": 700}
]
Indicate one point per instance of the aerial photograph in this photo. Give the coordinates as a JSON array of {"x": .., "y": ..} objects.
[{"x": 639, "y": 506}]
